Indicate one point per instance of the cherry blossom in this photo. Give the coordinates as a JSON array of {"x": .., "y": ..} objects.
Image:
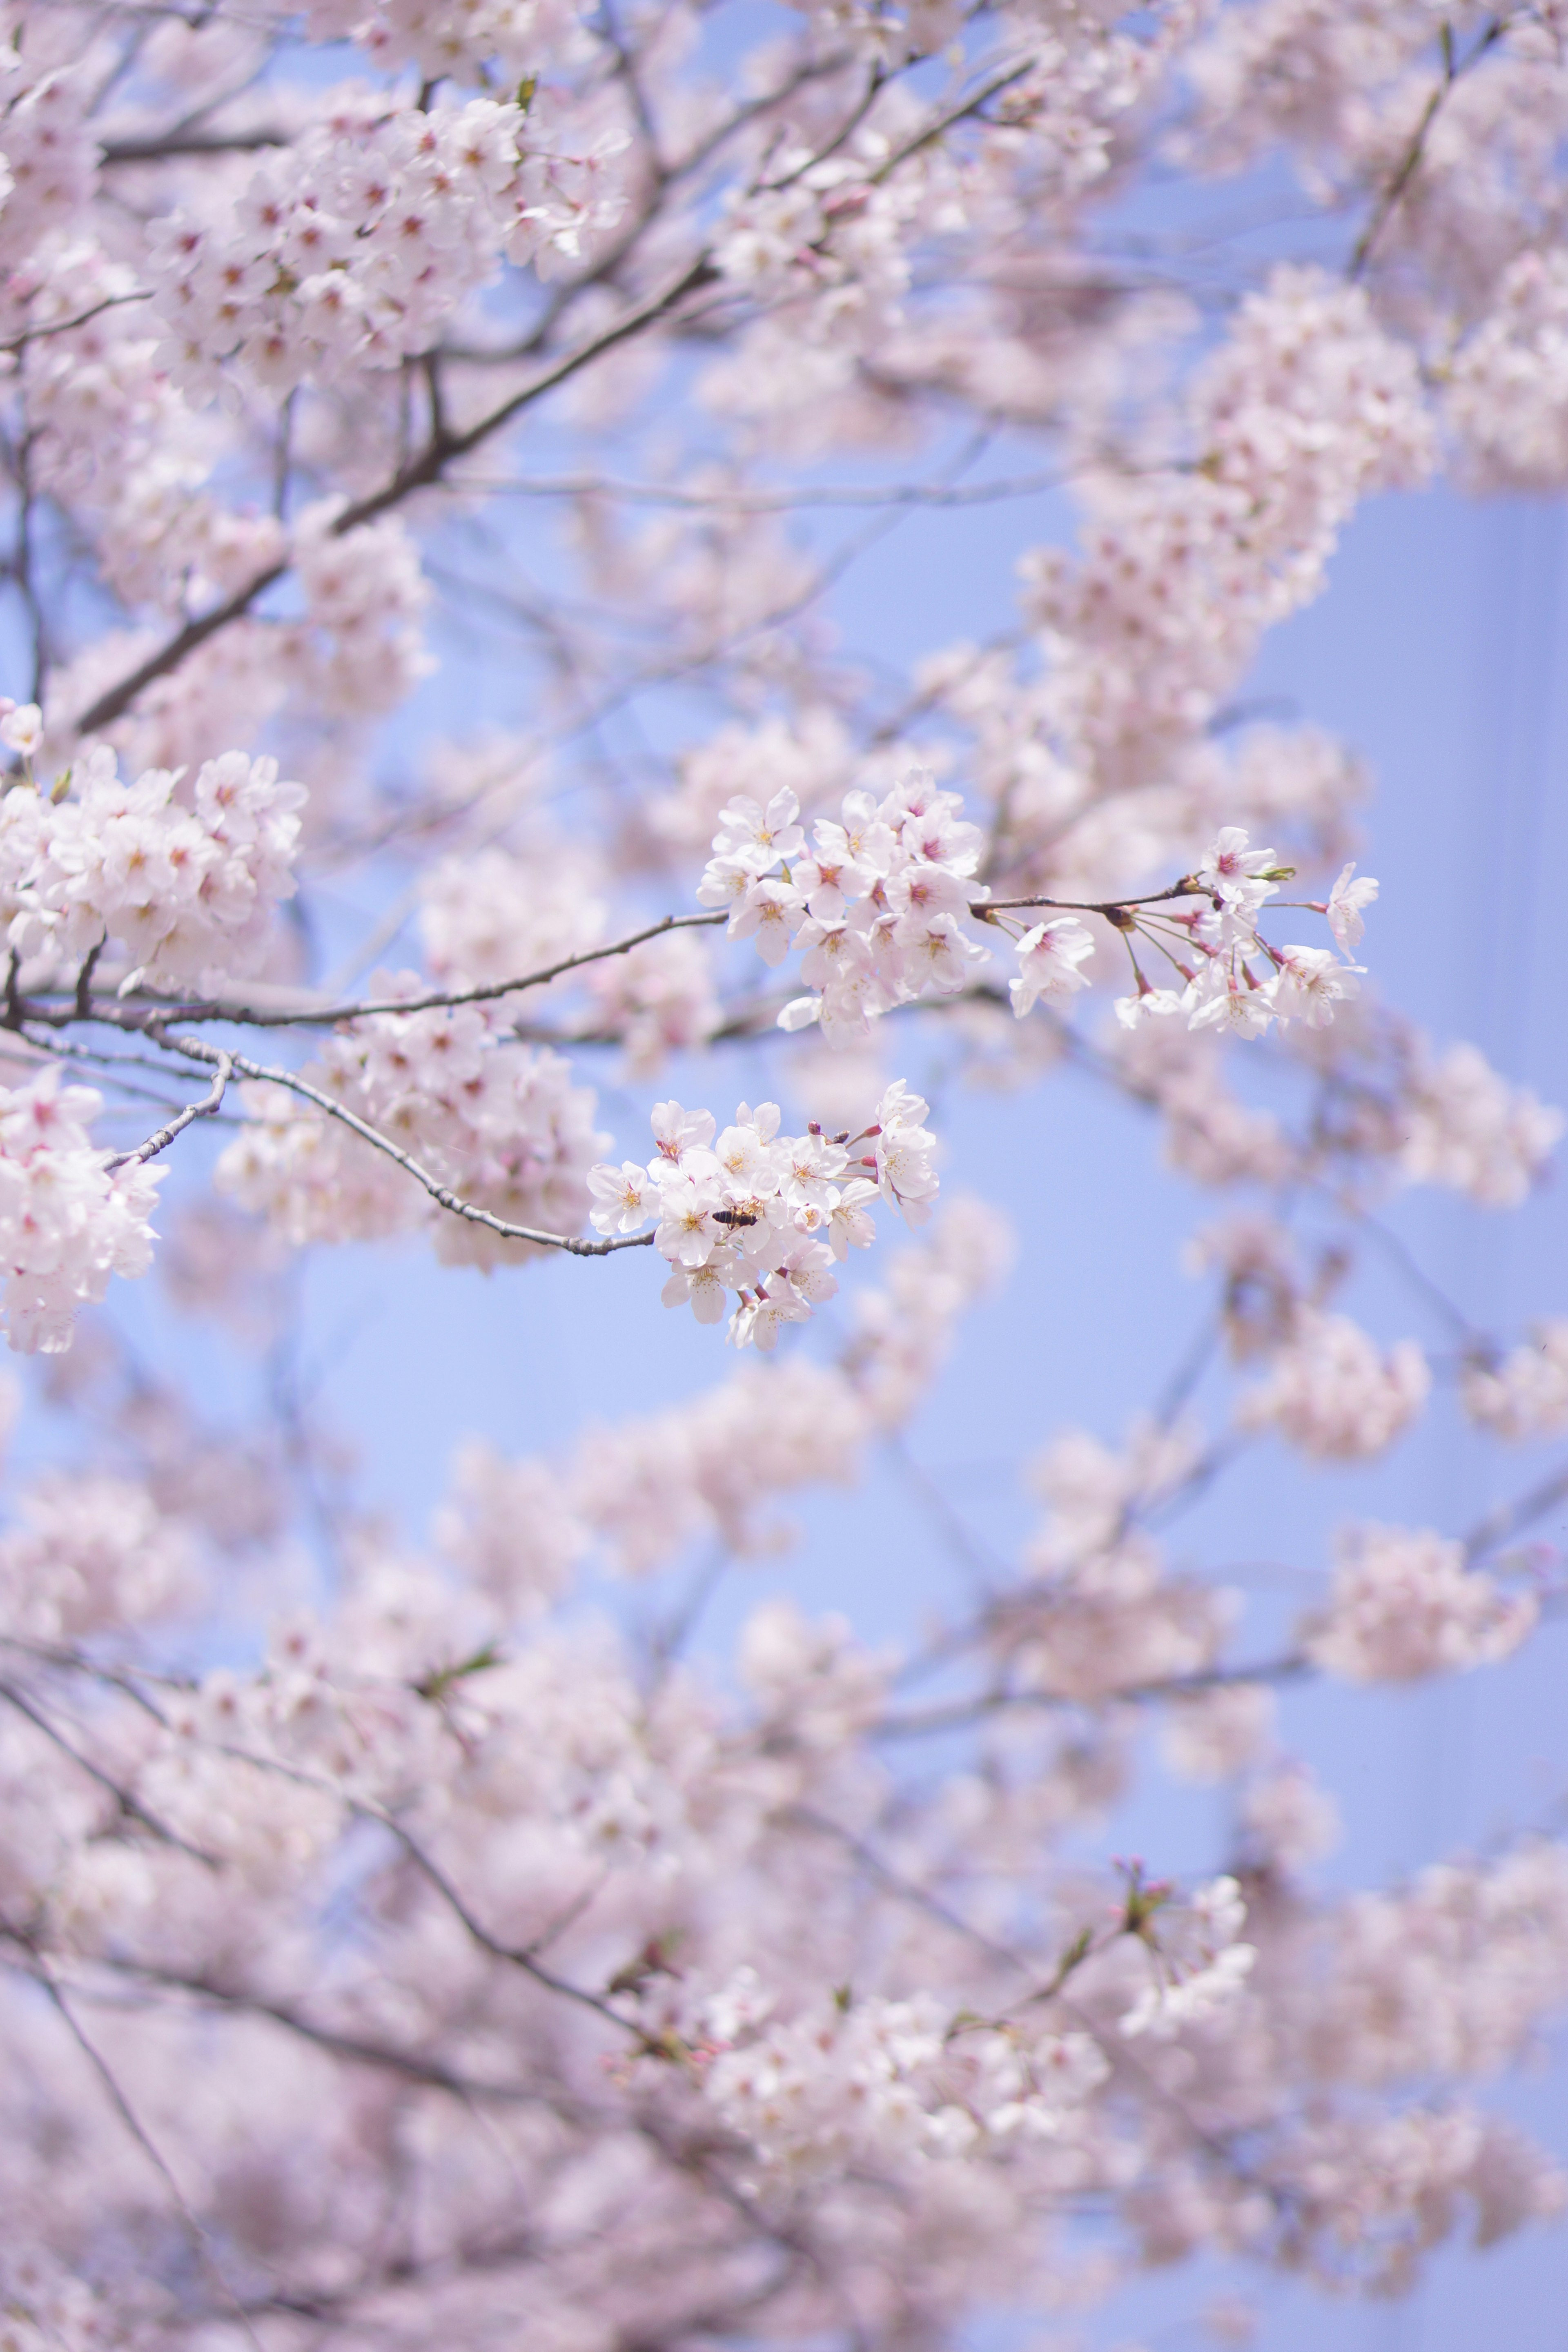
[
  {"x": 436, "y": 432},
  {"x": 1403, "y": 1603},
  {"x": 1525, "y": 1394},
  {"x": 69, "y": 1217},
  {"x": 739, "y": 1211},
  {"x": 1332, "y": 1392}
]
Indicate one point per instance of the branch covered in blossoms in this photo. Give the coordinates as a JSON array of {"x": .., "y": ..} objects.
[
  {"x": 472, "y": 474},
  {"x": 877, "y": 908},
  {"x": 762, "y": 1215}
]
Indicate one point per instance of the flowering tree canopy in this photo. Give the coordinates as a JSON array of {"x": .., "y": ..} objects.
[{"x": 447, "y": 1952}]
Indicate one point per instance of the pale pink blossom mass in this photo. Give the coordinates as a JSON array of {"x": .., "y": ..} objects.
[{"x": 439, "y": 779}]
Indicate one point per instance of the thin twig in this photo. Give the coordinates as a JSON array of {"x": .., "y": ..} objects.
[
  {"x": 83, "y": 318},
  {"x": 1507, "y": 1518},
  {"x": 441, "y": 1193},
  {"x": 128, "y": 1803},
  {"x": 434, "y": 1000},
  {"x": 206, "y": 2254},
  {"x": 959, "y": 1714},
  {"x": 430, "y": 2071},
  {"x": 1394, "y": 193},
  {"x": 207, "y": 1108},
  {"x": 913, "y": 494}
]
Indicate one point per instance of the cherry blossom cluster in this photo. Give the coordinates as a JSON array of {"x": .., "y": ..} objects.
[
  {"x": 353, "y": 249},
  {"x": 91, "y": 1555},
  {"x": 1460, "y": 1125},
  {"x": 715, "y": 1467},
  {"x": 1403, "y": 1603},
  {"x": 1438, "y": 1974},
  {"x": 68, "y": 1217},
  {"x": 1524, "y": 1394},
  {"x": 861, "y": 2081},
  {"x": 1507, "y": 388},
  {"x": 876, "y": 907},
  {"x": 555, "y": 1924},
  {"x": 1309, "y": 404},
  {"x": 1235, "y": 980},
  {"x": 1098, "y": 1611},
  {"x": 1199, "y": 1961},
  {"x": 444, "y": 42},
  {"x": 499, "y": 1123},
  {"x": 499, "y": 913},
  {"x": 185, "y": 877},
  {"x": 762, "y": 1214},
  {"x": 1334, "y": 1393}
]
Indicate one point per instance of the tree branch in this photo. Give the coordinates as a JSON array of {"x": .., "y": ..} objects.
[{"x": 440, "y": 1193}]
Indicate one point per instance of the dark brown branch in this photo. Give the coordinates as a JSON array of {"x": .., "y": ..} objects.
[
  {"x": 428, "y": 2072},
  {"x": 158, "y": 145},
  {"x": 436, "y": 999},
  {"x": 421, "y": 472}
]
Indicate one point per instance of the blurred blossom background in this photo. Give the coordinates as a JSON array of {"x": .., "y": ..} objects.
[{"x": 1437, "y": 654}]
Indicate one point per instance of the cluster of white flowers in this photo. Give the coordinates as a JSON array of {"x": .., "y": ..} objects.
[
  {"x": 764, "y": 1214},
  {"x": 1098, "y": 1613},
  {"x": 1113, "y": 1620},
  {"x": 509, "y": 1527},
  {"x": 812, "y": 1684},
  {"x": 1219, "y": 936},
  {"x": 1524, "y": 1395},
  {"x": 903, "y": 1331},
  {"x": 185, "y": 877},
  {"x": 877, "y": 906},
  {"x": 1309, "y": 404},
  {"x": 364, "y": 591},
  {"x": 1092, "y": 1490},
  {"x": 848, "y": 2079},
  {"x": 1404, "y": 1604},
  {"x": 352, "y": 249},
  {"x": 1375, "y": 2197},
  {"x": 1508, "y": 384},
  {"x": 658, "y": 1000},
  {"x": 1462, "y": 1126},
  {"x": 1198, "y": 1963},
  {"x": 68, "y": 1219},
  {"x": 1333, "y": 1392},
  {"x": 819, "y": 227},
  {"x": 715, "y": 1466},
  {"x": 456, "y": 38},
  {"x": 1290, "y": 1820},
  {"x": 50, "y": 157},
  {"x": 1446, "y": 1975},
  {"x": 499, "y": 913},
  {"x": 1209, "y": 1735},
  {"x": 89, "y": 1553},
  {"x": 500, "y": 1125}
]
